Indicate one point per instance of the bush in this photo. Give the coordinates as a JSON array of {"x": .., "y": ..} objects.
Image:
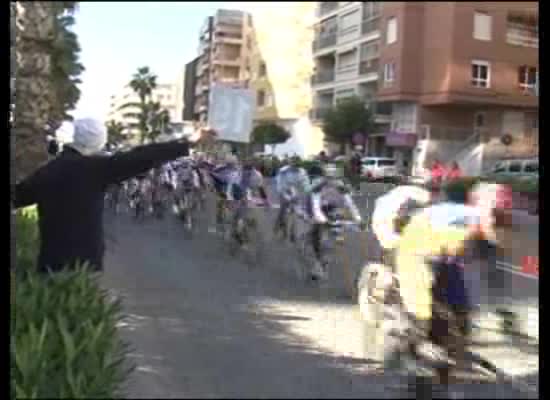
[{"x": 63, "y": 339}]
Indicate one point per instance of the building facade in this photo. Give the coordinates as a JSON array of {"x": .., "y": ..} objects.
[
  {"x": 281, "y": 69},
  {"x": 451, "y": 77},
  {"x": 165, "y": 93},
  {"x": 223, "y": 55},
  {"x": 189, "y": 97}
]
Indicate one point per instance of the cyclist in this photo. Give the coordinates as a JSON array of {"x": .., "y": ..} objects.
[
  {"x": 224, "y": 178},
  {"x": 291, "y": 182},
  {"x": 249, "y": 187},
  {"x": 188, "y": 181},
  {"x": 433, "y": 260},
  {"x": 328, "y": 194}
]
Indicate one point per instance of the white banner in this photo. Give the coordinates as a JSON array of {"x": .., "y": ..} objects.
[{"x": 230, "y": 112}]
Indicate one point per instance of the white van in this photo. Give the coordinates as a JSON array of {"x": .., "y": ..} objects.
[{"x": 379, "y": 168}]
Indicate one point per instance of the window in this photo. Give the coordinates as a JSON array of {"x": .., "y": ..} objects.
[
  {"x": 349, "y": 21},
  {"x": 404, "y": 117},
  {"x": 347, "y": 60},
  {"x": 391, "y": 31},
  {"x": 532, "y": 168},
  {"x": 371, "y": 9},
  {"x": 481, "y": 74},
  {"x": 262, "y": 71},
  {"x": 260, "y": 102},
  {"x": 389, "y": 74},
  {"x": 369, "y": 51},
  {"x": 482, "y": 26},
  {"x": 527, "y": 77},
  {"x": 515, "y": 167},
  {"x": 500, "y": 168}
]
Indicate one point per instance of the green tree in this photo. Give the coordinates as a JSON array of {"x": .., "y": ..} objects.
[
  {"x": 115, "y": 133},
  {"x": 350, "y": 116},
  {"x": 65, "y": 65},
  {"x": 269, "y": 133},
  {"x": 143, "y": 83},
  {"x": 158, "y": 120}
]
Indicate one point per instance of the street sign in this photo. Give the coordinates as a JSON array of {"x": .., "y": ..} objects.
[{"x": 358, "y": 139}]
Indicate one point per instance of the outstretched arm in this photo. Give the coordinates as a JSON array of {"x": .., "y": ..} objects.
[{"x": 122, "y": 166}]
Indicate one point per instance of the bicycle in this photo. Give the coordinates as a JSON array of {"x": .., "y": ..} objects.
[
  {"x": 332, "y": 241},
  {"x": 244, "y": 235},
  {"x": 186, "y": 205}
]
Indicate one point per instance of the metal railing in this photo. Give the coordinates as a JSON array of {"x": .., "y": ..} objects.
[
  {"x": 322, "y": 42},
  {"x": 522, "y": 35},
  {"x": 369, "y": 66},
  {"x": 348, "y": 30},
  {"x": 370, "y": 25},
  {"x": 322, "y": 77}
]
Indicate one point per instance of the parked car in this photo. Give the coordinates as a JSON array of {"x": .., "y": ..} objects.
[
  {"x": 517, "y": 168},
  {"x": 379, "y": 168}
]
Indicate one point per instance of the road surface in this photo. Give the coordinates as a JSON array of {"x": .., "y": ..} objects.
[{"x": 202, "y": 324}]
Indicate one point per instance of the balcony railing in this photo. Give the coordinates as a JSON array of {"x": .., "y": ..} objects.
[
  {"x": 326, "y": 7},
  {"x": 229, "y": 36},
  {"x": 324, "y": 41},
  {"x": 522, "y": 35},
  {"x": 322, "y": 77},
  {"x": 348, "y": 30},
  {"x": 368, "y": 66},
  {"x": 370, "y": 25}
]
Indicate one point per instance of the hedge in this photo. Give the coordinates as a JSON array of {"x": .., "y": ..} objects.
[{"x": 63, "y": 338}]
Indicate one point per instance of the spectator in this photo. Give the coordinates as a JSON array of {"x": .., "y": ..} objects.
[
  {"x": 69, "y": 192},
  {"x": 454, "y": 172},
  {"x": 323, "y": 156}
]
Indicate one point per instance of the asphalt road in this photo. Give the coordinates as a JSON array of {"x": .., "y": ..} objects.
[{"x": 203, "y": 324}]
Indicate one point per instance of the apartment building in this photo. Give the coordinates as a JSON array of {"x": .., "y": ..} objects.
[
  {"x": 281, "y": 68},
  {"x": 189, "y": 96},
  {"x": 451, "y": 77},
  {"x": 346, "y": 51},
  {"x": 223, "y": 55},
  {"x": 167, "y": 94}
]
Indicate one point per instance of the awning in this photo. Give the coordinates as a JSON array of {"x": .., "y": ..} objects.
[{"x": 395, "y": 139}]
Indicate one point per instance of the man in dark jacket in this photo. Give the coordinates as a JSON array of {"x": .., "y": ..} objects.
[{"x": 69, "y": 192}]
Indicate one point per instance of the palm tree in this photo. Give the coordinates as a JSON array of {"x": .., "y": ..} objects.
[
  {"x": 115, "y": 133},
  {"x": 159, "y": 120},
  {"x": 143, "y": 82},
  {"x": 66, "y": 67}
]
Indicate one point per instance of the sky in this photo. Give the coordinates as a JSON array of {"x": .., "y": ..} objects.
[{"x": 116, "y": 38}]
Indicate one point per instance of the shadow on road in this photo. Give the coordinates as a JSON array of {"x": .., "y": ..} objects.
[{"x": 202, "y": 326}]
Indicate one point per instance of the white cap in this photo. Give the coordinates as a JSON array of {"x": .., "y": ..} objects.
[{"x": 90, "y": 136}]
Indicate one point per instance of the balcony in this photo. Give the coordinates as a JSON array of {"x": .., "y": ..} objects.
[
  {"x": 326, "y": 7},
  {"x": 522, "y": 35},
  {"x": 369, "y": 66},
  {"x": 370, "y": 26},
  {"x": 322, "y": 77},
  {"x": 324, "y": 41},
  {"x": 229, "y": 17},
  {"x": 229, "y": 37},
  {"x": 318, "y": 113}
]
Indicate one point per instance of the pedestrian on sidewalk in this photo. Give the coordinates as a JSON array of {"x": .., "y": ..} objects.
[
  {"x": 454, "y": 172},
  {"x": 70, "y": 190}
]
